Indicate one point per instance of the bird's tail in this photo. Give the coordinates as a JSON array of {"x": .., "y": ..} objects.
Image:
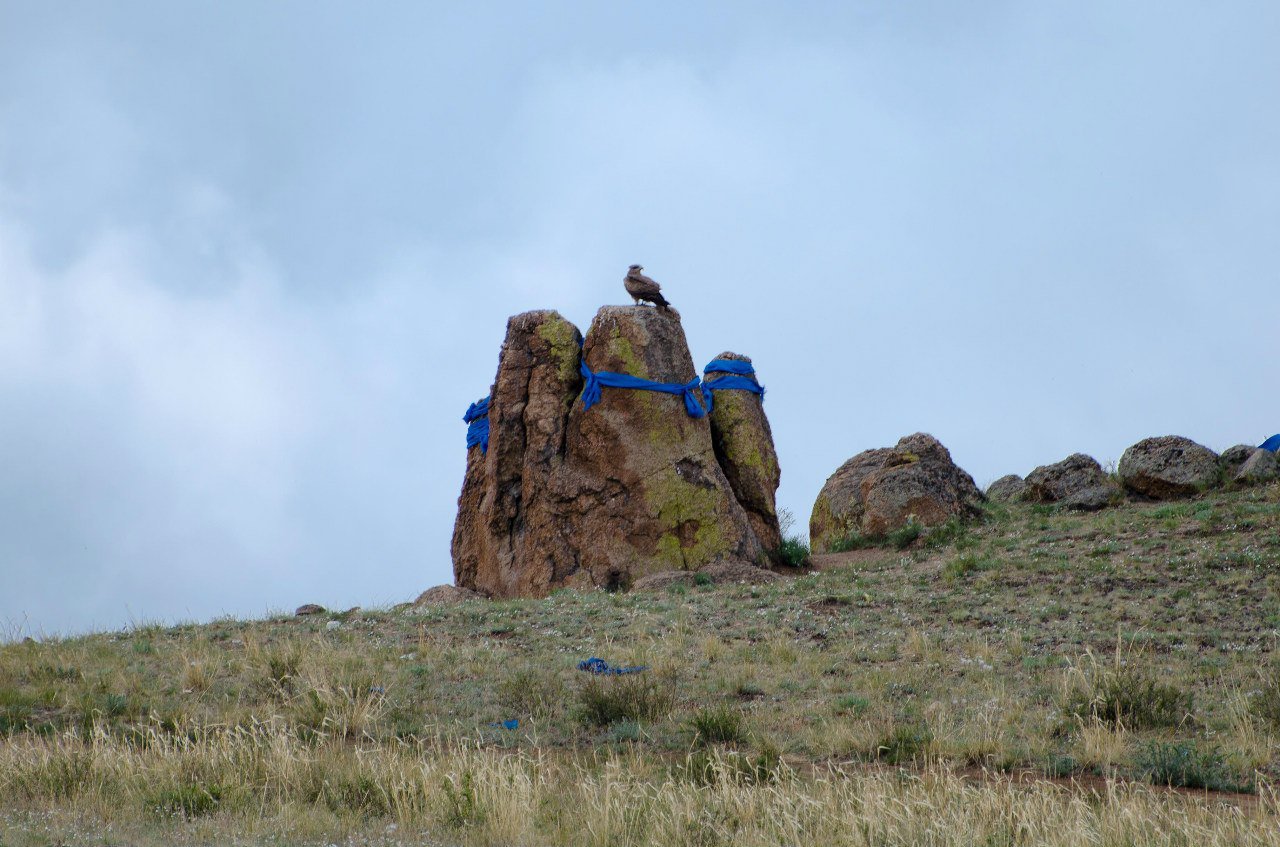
[{"x": 660, "y": 301}]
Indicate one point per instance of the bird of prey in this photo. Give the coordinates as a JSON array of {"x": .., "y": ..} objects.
[{"x": 640, "y": 287}]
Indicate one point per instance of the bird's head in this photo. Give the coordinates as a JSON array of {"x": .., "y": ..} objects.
[{"x": 635, "y": 268}]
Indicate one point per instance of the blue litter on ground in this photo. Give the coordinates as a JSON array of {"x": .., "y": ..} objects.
[
  {"x": 595, "y": 665},
  {"x": 514, "y": 723},
  {"x": 1272, "y": 443}
]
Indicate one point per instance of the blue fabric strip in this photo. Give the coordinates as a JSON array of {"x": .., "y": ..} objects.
[
  {"x": 692, "y": 391},
  {"x": 1272, "y": 443},
  {"x": 477, "y": 418},
  {"x": 729, "y": 366},
  {"x": 741, "y": 378}
]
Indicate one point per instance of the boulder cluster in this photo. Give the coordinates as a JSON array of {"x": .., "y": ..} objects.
[
  {"x": 1166, "y": 467},
  {"x": 568, "y": 493},
  {"x": 886, "y": 488}
]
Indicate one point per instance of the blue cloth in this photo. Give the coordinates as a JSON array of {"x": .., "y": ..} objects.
[
  {"x": 594, "y": 665},
  {"x": 729, "y": 366},
  {"x": 740, "y": 378},
  {"x": 1272, "y": 443},
  {"x": 477, "y": 418},
  {"x": 692, "y": 391},
  {"x": 514, "y": 723}
]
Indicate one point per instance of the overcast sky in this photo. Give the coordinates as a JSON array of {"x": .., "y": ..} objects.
[{"x": 257, "y": 258}]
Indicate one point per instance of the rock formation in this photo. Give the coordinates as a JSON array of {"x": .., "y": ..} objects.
[
  {"x": 1231, "y": 459},
  {"x": 879, "y": 490},
  {"x": 1078, "y": 477},
  {"x": 1168, "y": 467},
  {"x": 571, "y": 496},
  {"x": 744, "y": 448},
  {"x": 1261, "y": 466},
  {"x": 1008, "y": 488}
]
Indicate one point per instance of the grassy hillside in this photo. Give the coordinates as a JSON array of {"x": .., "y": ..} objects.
[{"x": 1039, "y": 678}]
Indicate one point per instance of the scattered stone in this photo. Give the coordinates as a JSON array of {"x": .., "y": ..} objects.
[
  {"x": 1008, "y": 488},
  {"x": 1091, "y": 499},
  {"x": 446, "y": 595},
  {"x": 331, "y": 626},
  {"x": 310, "y": 609},
  {"x": 916, "y": 480},
  {"x": 1262, "y": 466},
  {"x": 1233, "y": 458},
  {"x": 574, "y": 497},
  {"x": 1169, "y": 467}
]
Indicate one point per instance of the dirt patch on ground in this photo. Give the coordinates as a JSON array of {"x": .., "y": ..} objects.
[{"x": 719, "y": 573}]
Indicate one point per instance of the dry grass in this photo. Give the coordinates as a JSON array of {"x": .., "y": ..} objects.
[
  {"x": 877, "y": 681},
  {"x": 167, "y": 787}
]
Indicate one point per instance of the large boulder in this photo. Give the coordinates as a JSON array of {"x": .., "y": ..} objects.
[
  {"x": 1233, "y": 458},
  {"x": 580, "y": 497},
  {"x": 837, "y": 512},
  {"x": 744, "y": 448},
  {"x": 1168, "y": 467},
  {"x": 1262, "y": 466},
  {"x": 1063, "y": 480},
  {"x": 1008, "y": 488},
  {"x": 880, "y": 490}
]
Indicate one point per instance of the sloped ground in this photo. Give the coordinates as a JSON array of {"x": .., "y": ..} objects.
[{"x": 1138, "y": 643}]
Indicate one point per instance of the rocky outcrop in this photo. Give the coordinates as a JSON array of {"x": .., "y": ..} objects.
[
  {"x": 1231, "y": 459},
  {"x": 1262, "y": 466},
  {"x": 1074, "y": 475},
  {"x": 1168, "y": 467},
  {"x": 509, "y": 539},
  {"x": 744, "y": 449},
  {"x": 880, "y": 490},
  {"x": 1007, "y": 488},
  {"x": 571, "y": 496}
]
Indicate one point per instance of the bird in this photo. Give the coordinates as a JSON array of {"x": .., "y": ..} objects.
[{"x": 640, "y": 287}]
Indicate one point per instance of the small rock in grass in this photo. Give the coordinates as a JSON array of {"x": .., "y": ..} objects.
[
  {"x": 333, "y": 625},
  {"x": 309, "y": 609}
]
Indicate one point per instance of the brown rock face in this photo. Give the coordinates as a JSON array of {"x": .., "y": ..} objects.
[
  {"x": 506, "y": 540},
  {"x": 838, "y": 510},
  {"x": 1073, "y": 475},
  {"x": 1168, "y": 467},
  {"x": 570, "y": 496},
  {"x": 744, "y": 449},
  {"x": 915, "y": 480}
]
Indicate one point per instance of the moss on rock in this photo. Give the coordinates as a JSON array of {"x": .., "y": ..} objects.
[
  {"x": 679, "y": 505},
  {"x": 563, "y": 339}
]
